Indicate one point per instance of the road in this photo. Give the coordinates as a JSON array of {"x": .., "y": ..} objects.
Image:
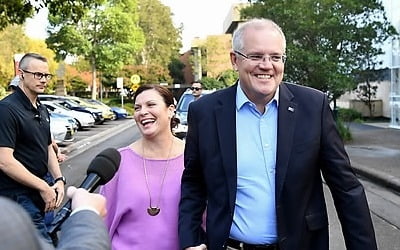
[
  {"x": 384, "y": 204},
  {"x": 74, "y": 168}
]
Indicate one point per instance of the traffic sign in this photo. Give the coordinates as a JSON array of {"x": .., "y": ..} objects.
[
  {"x": 120, "y": 82},
  {"x": 135, "y": 79}
]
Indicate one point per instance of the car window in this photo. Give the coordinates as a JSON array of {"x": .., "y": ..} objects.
[
  {"x": 49, "y": 107},
  {"x": 184, "y": 102}
]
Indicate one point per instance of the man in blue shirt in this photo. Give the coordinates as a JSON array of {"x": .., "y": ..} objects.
[{"x": 254, "y": 156}]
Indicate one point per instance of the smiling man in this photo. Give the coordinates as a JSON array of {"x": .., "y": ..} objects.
[
  {"x": 254, "y": 156},
  {"x": 26, "y": 153}
]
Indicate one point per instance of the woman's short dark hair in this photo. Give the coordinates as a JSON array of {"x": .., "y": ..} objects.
[{"x": 165, "y": 93}]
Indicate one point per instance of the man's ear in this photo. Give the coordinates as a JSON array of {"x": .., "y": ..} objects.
[{"x": 233, "y": 61}]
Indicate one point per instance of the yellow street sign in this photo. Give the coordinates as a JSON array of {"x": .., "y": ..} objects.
[
  {"x": 134, "y": 87},
  {"x": 135, "y": 79}
]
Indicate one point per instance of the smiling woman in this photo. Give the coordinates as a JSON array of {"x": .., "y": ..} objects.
[{"x": 155, "y": 161}]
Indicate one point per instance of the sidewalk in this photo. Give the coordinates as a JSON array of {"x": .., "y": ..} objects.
[{"x": 375, "y": 153}]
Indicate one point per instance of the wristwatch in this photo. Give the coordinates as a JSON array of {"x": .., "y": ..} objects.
[{"x": 62, "y": 178}]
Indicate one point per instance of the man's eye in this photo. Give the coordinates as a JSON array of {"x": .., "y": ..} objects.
[
  {"x": 38, "y": 75},
  {"x": 276, "y": 58},
  {"x": 255, "y": 57}
]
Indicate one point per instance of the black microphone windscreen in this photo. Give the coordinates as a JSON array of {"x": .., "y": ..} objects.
[{"x": 105, "y": 165}]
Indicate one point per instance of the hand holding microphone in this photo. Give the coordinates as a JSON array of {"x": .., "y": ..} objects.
[
  {"x": 100, "y": 171},
  {"x": 82, "y": 199}
]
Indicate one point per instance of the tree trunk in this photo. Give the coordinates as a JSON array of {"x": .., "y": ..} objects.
[{"x": 94, "y": 85}]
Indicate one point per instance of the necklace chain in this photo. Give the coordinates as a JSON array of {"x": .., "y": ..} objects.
[{"x": 153, "y": 211}]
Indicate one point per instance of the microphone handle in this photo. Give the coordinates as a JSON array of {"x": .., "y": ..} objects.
[
  {"x": 90, "y": 183},
  {"x": 60, "y": 217}
]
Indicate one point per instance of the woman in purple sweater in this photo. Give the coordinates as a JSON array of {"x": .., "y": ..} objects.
[{"x": 143, "y": 196}]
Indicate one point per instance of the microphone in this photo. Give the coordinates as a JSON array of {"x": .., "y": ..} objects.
[{"x": 100, "y": 171}]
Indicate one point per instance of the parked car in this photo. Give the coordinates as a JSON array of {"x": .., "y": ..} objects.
[
  {"x": 90, "y": 103},
  {"x": 71, "y": 121},
  {"x": 97, "y": 114},
  {"x": 61, "y": 129},
  {"x": 182, "y": 110},
  {"x": 58, "y": 130},
  {"x": 120, "y": 113},
  {"x": 83, "y": 120},
  {"x": 104, "y": 107}
]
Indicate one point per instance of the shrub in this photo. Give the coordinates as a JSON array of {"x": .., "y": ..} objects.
[
  {"x": 348, "y": 115},
  {"x": 344, "y": 131}
]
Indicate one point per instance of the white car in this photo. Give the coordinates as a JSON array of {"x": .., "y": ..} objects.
[
  {"x": 84, "y": 119},
  {"x": 58, "y": 130}
]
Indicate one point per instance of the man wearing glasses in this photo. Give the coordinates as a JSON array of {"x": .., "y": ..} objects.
[
  {"x": 26, "y": 152},
  {"x": 197, "y": 89},
  {"x": 254, "y": 156}
]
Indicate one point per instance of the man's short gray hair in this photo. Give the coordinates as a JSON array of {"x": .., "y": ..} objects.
[{"x": 256, "y": 23}]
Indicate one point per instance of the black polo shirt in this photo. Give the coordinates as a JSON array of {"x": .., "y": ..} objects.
[{"x": 26, "y": 130}]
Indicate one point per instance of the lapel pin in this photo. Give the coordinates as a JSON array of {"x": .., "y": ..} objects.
[{"x": 290, "y": 109}]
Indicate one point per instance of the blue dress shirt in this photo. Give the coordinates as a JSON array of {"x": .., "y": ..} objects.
[{"x": 254, "y": 219}]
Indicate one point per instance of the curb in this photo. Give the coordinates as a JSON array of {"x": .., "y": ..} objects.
[
  {"x": 378, "y": 177},
  {"x": 76, "y": 148}
]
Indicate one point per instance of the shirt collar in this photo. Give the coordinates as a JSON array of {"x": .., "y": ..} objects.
[
  {"x": 242, "y": 99},
  {"x": 24, "y": 99}
]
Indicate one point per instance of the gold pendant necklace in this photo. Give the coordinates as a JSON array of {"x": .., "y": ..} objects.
[{"x": 153, "y": 211}]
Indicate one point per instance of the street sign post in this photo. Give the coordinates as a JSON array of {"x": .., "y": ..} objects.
[{"x": 120, "y": 86}]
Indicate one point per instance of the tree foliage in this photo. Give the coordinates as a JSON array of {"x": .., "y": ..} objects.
[
  {"x": 228, "y": 77},
  {"x": 17, "y": 11},
  {"x": 175, "y": 68},
  {"x": 163, "y": 40},
  {"x": 107, "y": 36},
  {"x": 369, "y": 80},
  {"x": 327, "y": 40},
  {"x": 14, "y": 41},
  {"x": 150, "y": 74},
  {"x": 211, "y": 83}
]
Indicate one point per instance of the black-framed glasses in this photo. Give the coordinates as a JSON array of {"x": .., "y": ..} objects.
[
  {"x": 38, "y": 75},
  {"x": 196, "y": 88},
  {"x": 258, "y": 58}
]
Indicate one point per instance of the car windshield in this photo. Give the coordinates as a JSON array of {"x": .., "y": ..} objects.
[
  {"x": 60, "y": 106},
  {"x": 69, "y": 103},
  {"x": 184, "y": 102}
]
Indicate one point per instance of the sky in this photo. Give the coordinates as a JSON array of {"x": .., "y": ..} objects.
[{"x": 199, "y": 18}]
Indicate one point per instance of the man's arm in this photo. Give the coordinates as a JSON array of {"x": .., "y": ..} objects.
[
  {"x": 55, "y": 171},
  {"x": 15, "y": 170}
]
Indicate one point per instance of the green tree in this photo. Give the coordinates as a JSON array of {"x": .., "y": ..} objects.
[
  {"x": 327, "y": 39},
  {"x": 211, "y": 83},
  {"x": 176, "y": 71},
  {"x": 228, "y": 77},
  {"x": 163, "y": 40},
  {"x": 76, "y": 84},
  {"x": 17, "y": 11},
  {"x": 107, "y": 36},
  {"x": 366, "y": 90}
]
